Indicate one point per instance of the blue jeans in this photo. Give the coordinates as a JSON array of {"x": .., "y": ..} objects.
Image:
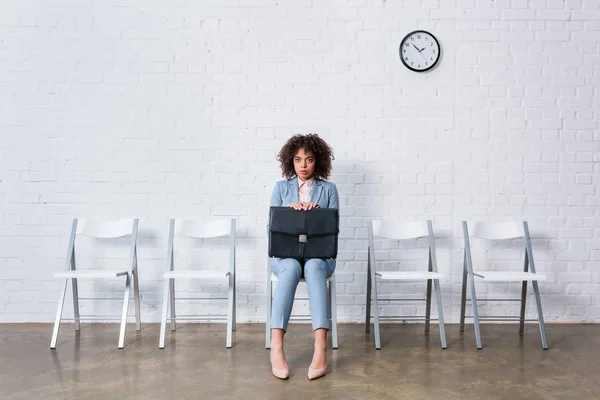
[{"x": 289, "y": 272}]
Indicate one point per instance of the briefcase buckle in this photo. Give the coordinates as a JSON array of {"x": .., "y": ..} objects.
[{"x": 303, "y": 238}]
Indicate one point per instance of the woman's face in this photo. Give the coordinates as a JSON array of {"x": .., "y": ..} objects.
[{"x": 304, "y": 164}]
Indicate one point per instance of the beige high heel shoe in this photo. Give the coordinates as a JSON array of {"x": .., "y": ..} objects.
[
  {"x": 316, "y": 373},
  {"x": 281, "y": 373}
]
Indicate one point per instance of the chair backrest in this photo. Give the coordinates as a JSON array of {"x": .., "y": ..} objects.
[
  {"x": 498, "y": 230},
  {"x": 104, "y": 230},
  {"x": 402, "y": 231},
  {"x": 399, "y": 231},
  {"x": 204, "y": 229},
  {"x": 107, "y": 229}
]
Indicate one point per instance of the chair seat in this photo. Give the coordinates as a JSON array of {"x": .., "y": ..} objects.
[
  {"x": 195, "y": 274},
  {"x": 508, "y": 276},
  {"x": 408, "y": 275},
  {"x": 274, "y": 278},
  {"x": 90, "y": 274}
]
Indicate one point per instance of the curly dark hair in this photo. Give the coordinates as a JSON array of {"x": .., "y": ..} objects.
[{"x": 311, "y": 142}]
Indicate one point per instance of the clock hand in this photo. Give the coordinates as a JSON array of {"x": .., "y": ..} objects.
[{"x": 416, "y": 48}]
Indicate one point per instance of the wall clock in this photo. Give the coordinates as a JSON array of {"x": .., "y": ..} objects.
[{"x": 420, "y": 51}]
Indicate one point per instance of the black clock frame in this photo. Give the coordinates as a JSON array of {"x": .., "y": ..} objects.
[{"x": 436, "y": 60}]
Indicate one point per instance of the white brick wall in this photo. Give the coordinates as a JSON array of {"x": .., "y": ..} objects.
[{"x": 178, "y": 108}]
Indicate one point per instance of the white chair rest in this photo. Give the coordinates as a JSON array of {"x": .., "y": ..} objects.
[
  {"x": 408, "y": 275},
  {"x": 104, "y": 229},
  {"x": 214, "y": 274},
  {"x": 274, "y": 278},
  {"x": 90, "y": 274},
  {"x": 508, "y": 276}
]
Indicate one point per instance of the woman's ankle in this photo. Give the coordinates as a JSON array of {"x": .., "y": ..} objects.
[
  {"x": 320, "y": 336},
  {"x": 275, "y": 347},
  {"x": 320, "y": 346}
]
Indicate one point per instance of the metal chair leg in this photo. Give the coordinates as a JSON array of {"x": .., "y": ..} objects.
[
  {"x": 376, "y": 316},
  {"x": 75, "y": 304},
  {"x": 440, "y": 310},
  {"x": 234, "y": 304},
  {"x": 61, "y": 303},
  {"x": 428, "y": 306},
  {"x": 125, "y": 310},
  {"x": 269, "y": 305},
  {"x": 536, "y": 290},
  {"x": 463, "y": 296},
  {"x": 475, "y": 312},
  {"x": 538, "y": 302},
  {"x": 329, "y": 315},
  {"x": 172, "y": 301},
  {"x": 523, "y": 304},
  {"x": 163, "y": 318},
  {"x": 368, "y": 300},
  {"x": 136, "y": 297},
  {"x": 523, "y": 295},
  {"x": 333, "y": 305},
  {"x": 230, "y": 307}
]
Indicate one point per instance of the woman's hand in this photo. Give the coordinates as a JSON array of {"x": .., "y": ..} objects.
[{"x": 303, "y": 205}]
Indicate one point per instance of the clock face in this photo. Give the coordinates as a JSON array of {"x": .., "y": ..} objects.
[{"x": 419, "y": 51}]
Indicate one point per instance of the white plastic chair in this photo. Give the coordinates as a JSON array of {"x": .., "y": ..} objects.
[
  {"x": 271, "y": 277},
  {"x": 100, "y": 230},
  {"x": 200, "y": 230},
  {"x": 407, "y": 230},
  {"x": 500, "y": 231}
]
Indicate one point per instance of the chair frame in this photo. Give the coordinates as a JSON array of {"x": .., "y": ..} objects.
[
  {"x": 469, "y": 276},
  {"x": 70, "y": 266},
  {"x": 169, "y": 289},
  {"x": 372, "y": 299}
]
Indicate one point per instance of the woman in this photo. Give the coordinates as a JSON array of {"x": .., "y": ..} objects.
[{"x": 306, "y": 163}]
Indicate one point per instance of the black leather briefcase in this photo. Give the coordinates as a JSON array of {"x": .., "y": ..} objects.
[{"x": 303, "y": 234}]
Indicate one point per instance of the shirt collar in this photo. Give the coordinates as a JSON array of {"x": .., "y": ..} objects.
[{"x": 308, "y": 182}]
